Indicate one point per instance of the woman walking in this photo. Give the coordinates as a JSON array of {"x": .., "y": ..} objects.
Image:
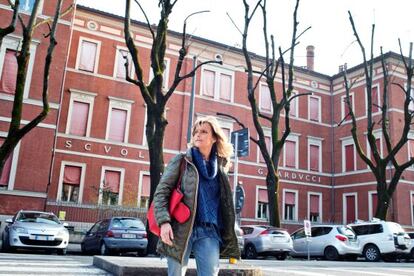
[{"x": 209, "y": 233}]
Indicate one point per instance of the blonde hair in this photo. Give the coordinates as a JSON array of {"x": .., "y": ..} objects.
[{"x": 224, "y": 148}]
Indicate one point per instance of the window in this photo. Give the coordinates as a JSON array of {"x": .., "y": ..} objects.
[
  {"x": 111, "y": 186},
  {"x": 372, "y": 203},
  {"x": 9, "y": 72},
  {"x": 348, "y": 155},
  {"x": 5, "y": 174},
  {"x": 262, "y": 204},
  {"x": 166, "y": 74},
  {"x": 315, "y": 108},
  {"x": 145, "y": 188},
  {"x": 80, "y": 112},
  {"x": 314, "y": 155},
  {"x": 410, "y": 147},
  {"x": 26, "y": 5},
  {"x": 379, "y": 148},
  {"x": 88, "y": 53},
  {"x": 117, "y": 128},
  {"x": 349, "y": 208},
  {"x": 294, "y": 105},
  {"x": 375, "y": 99},
  {"x": 268, "y": 146},
  {"x": 119, "y": 71},
  {"x": 344, "y": 106},
  {"x": 265, "y": 102},
  {"x": 411, "y": 105},
  {"x": 290, "y": 205},
  {"x": 71, "y": 183},
  {"x": 315, "y": 207},
  {"x": 217, "y": 83},
  {"x": 412, "y": 206},
  {"x": 290, "y": 152}
]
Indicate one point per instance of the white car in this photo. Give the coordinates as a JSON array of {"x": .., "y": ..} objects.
[
  {"x": 35, "y": 230},
  {"x": 381, "y": 239}
]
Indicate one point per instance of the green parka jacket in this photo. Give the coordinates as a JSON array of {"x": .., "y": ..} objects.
[{"x": 189, "y": 186}]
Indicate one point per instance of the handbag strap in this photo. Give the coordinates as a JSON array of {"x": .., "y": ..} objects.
[{"x": 182, "y": 168}]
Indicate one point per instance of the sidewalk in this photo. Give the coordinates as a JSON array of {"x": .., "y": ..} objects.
[{"x": 125, "y": 266}]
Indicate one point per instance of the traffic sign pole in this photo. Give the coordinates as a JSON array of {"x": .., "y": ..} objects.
[{"x": 236, "y": 167}]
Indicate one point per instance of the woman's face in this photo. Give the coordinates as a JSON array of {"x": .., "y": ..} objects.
[{"x": 203, "y": 137}]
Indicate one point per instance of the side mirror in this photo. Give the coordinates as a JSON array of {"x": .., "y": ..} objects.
[
  {"x": 65, "y": 224},
  {"x": 9, "y": 221}
]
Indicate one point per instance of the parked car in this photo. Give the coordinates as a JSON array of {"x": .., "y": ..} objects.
[
  {"x": 410, "y": 254},
  {"x": 35, "y": 230},
  {"x": 266, "y": 241},
  {"x": 116, "y": 235},
  {"x": 381, "y": 239},
  {"x": 329, "y": 241},
  {"x": 240, "y": 239}
]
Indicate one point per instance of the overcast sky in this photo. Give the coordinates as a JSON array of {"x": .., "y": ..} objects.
[{"x": 330, "y": 32}]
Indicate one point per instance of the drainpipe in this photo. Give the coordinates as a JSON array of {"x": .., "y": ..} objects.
[
  {"x": 191, "y": 111},
  {"x": 332, "y": 156}
]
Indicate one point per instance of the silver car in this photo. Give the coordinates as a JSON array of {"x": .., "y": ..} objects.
[
  {"x": 240, "y": 239},
  {"x": 266, "y": 241},
  {"x": 35, "y": 230},
  {"x": 329, "y": 241}
]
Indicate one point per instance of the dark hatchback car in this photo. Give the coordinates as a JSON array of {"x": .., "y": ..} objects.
[{"x": 116, "y": 235}]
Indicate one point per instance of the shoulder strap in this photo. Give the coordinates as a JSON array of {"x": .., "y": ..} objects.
[{"x": 182, "y": 168}]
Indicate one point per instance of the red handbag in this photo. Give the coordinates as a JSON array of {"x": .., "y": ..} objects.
[{"x": 177, "y": 209}]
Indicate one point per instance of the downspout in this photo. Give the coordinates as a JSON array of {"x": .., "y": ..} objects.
[
  {"x": 51, "y": 167},
  {"x": 332, "y": 218}
]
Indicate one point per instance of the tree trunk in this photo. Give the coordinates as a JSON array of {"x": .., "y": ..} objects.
[
  {"x": 383, "y": 202},
  {"x": 272, "y": 182}
]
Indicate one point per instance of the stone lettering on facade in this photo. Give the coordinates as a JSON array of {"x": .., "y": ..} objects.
[{"x": 294, "y": 176}]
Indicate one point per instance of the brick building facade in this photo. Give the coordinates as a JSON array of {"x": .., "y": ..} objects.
[{"x": 93, "y": 144}]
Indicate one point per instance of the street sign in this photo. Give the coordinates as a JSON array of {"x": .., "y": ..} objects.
[
  {"x": 242, "y": 141},
  {"x": 307, "y": 227},
  {"x": 239, "y": 198}
]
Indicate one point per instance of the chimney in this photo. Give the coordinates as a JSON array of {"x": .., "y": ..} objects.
[{"x": 310, "y": 57}]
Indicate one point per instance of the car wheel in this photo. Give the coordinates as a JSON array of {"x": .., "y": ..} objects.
[
  {"x": 5, "y": 246},
  {"x": 83, "y": 249},
  {"x": 281, "y": 256},
  {"x": 62, "y": 251},
  {"x": 371, "y": 253},
  {"x": 331, "y": 253},
  {"x": 104, "y": 249},
  {"x": 250, "y": 252},
  {"x": 412, "y": 254}
]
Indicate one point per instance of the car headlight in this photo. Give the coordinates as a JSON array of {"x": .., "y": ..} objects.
[
  {"x": 63, "y": 232},
  {"x": 20, "y": 230}
]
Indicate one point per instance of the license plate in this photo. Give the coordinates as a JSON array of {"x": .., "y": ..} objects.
[
  {"x": 128, "y": 236},
  {"x": 42, "y": 238}
]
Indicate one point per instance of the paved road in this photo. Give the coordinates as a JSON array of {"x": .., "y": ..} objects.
[{"x": 42, "y": 264}]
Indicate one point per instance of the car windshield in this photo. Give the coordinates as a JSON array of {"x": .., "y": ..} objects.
[
  {"x": 38, "y": 218},
  {"x": 347, "y": 231},
  {"x": 127, "y": 223}
]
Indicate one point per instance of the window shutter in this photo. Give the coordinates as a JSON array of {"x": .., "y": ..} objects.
[
  {"x": 411, "y": 145},
  {"x": 79, "y": 118},
  {"x": 290, "y": 198},
  {"x": 5, "y": 175},
  {"x": 314, "y": 109},
  {"x": 112, "y": 180},
  {"x": 374, "y": 99},
  {"x": 350, "y": 209},
  {"x": 9, "y": 73},
  {"x": 374, "y": 200},
  {"x": 225, "y": 87},
  {"x": 120, "y": 71},
  {"x": 314, "y": 157},
  {"x": 72, "y": 175},
  {"x": 290, "y": 148},
  {"x": 118, "y": 125},
  {"x": 349, "y": 158},
  {"x": 292, "y": 111},
  {"x": 265, "y": 99},
  {"x": 314, "y": 204},
  {"x": 263, "y": 198},
  {"x": 146, "y": 186},
  {"x": 87, "y": 56},
  {"x": 268, "y": 146},
  {"x": 208, "y": 83}
]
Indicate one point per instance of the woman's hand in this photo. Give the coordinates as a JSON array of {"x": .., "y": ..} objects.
[{"x": 166, "y": 233}]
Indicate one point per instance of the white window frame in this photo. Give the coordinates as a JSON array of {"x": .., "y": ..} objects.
[
  {"x": 97, "y": 54},
  {"x": 259, "y": 187},
  {"x": 218, "y": 71},
  {"x": 82, "y": 178},
  {"x": 344, "y": 105},
  {"x": 15, "y": 160},
  {"x": 117, "y": 55},
  {"x": 410, "y": 136},
  {"x": 144, "y": 130},
  {"x": 122, "y": 104},
  {"x": 377, "y": 135},
  {"x": 411, "y": 207},
  {"x": 140, "y": 185},
  {"x": 316, "y": 142},
  {"x": 261, "y": 90},
  {"x": 370, "y": 204},
  {"x": 379, "y": 99},
  {"x": 292, "y": 138},
  {"x": 165, "y": 83},
  {"x": 319, "y": 107},
  {"x": 320, "y": 218},
  {"x": 267, "y": 133},
  {"x": 295, "y": 102},
  {"x": 411, "y": 105},
  {"x": 344, "y": 210},
  {"x": 295, "y": 218},
  {"x": 346, "y": 142},
  {"x": 14, "y": 43},
  {"x": 84, "y": 97},
  {"x": 121, "y": 182},
  {"x": 26, "y": 11}
]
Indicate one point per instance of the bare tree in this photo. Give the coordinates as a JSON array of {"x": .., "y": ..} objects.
[
  {"x": 272, "y": 66},
  {"x": 16, "y": 132},
  {"x": 388, "y": 160},
  {"x": 153, "y": 92}
]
